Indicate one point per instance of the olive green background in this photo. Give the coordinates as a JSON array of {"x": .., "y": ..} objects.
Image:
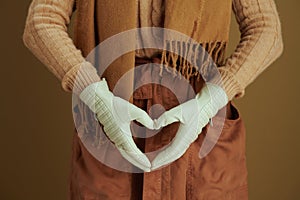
[{"x": 37, "y": 124}]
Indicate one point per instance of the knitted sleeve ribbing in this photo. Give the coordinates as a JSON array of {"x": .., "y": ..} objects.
[
  {"x": 45, "y": 35},
  {"x": 260, "y": 45}
]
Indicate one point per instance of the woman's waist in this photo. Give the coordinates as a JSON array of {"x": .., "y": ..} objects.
[
  {"x": 148, "y": 83},
  {"x": 147, "y": 75}
]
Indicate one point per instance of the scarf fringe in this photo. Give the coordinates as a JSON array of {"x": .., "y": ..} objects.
[{"x": 188, "y": 57}]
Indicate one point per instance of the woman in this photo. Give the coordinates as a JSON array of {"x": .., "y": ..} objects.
[{"x": 222, "y": 174}]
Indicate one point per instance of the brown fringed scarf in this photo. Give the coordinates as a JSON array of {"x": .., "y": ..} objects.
[{"x": 205, "y": 21}]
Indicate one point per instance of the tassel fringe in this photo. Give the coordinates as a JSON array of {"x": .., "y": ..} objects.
[{"x": 191, "y": 59}]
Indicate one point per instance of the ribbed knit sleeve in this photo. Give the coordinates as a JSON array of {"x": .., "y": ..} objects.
[
  {"x": 46, "y": 36},
  {"x": 260, "y": 45}
]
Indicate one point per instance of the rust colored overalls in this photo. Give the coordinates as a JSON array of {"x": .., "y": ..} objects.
[{"x": 221, "y": 175}]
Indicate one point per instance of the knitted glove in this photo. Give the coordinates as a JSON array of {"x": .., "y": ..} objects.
[
  {"x": 115, "y": 114},
  {"x": 193, "y": 115}
]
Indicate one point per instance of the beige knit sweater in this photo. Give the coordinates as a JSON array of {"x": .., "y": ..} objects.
[{"x": 46, "y": 36}]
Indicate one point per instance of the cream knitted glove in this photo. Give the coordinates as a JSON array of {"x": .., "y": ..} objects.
[
  {"x": 115, "y": 114},
  {"x": 193, "y": 115}
]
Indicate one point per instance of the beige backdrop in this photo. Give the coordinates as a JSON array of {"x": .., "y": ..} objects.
[{"x": 37, "y": 124}]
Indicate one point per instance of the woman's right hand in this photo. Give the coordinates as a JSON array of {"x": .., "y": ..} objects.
[{"x": 115, "y": 114}]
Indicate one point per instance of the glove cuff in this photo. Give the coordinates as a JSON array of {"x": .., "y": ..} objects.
[
  {"x": 217, "y": 94},
  {"x": 211, "y": 98},
  {"x": 97, "y": 96}
]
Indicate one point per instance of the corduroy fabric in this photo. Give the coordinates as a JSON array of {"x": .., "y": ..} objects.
[{"x": 221, "y": 175}]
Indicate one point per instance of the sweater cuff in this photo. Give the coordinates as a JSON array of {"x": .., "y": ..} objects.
[
  {"x": 231, "y": 85},
  {"x": 79, "y": 77}
]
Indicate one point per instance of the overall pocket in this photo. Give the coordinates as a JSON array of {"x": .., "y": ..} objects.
[{"x": 222, "y": 172}]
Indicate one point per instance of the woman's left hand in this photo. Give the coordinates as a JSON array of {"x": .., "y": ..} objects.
[{"x": 193, "y": 115}]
